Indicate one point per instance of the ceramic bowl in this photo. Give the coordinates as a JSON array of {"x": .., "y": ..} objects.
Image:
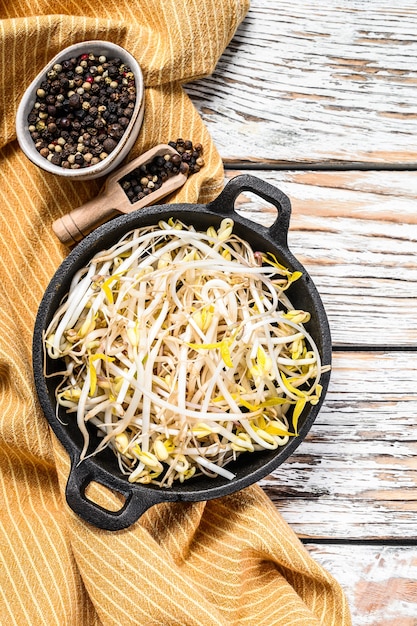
[{"x": 129, "y": 137}]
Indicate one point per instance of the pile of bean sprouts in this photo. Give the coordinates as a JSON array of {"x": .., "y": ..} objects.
[{"x": 183, "y": 350}]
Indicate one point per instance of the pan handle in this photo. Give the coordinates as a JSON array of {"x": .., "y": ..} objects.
[
  {"x": 225, "y": 202},
  {"x": 135, "y": 505}
]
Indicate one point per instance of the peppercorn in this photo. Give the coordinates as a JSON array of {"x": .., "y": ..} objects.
[
  {"x": 99, "y": 123},
  {"x": 112, "y": 71},
  {"x": 56, "y": 159},
  {"x": 115, "y": 131},
  {"x": 74, "y": 101},
  {"x": 109, "y": 144}
]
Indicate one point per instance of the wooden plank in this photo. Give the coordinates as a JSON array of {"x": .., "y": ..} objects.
[
  {"x": 355, "y": 475},
  {"x": 380, "y": 582},
  {"x": 356, "y": 234},
  {"x": 316, "y": 82}
]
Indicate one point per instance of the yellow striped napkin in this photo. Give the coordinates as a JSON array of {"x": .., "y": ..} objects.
[{"x": 225, "y": 562}]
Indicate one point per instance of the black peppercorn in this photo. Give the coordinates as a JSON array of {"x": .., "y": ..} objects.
[
  {"x": 56, "y": 159},
  {"x": 109, "y": 144},
  {"x": 80, "y": 114},
  {"x": 115, "y": 131},
  {"x": 99, "y": 123},
  {"x": 74, "y": 100},
  {"x": 112, "y": 71},
  {"x": 55, "y": 87},
  {"x": 65, "y": 122},
  {"x": 64, "y": 83}
]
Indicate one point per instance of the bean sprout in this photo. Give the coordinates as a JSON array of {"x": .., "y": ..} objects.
[{"x": 183, "y": 351}]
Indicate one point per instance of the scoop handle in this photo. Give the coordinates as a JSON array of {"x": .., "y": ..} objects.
[
  {"x": 74, "y": 226},
  {"x": 225, "y": 202},
  {"x": 135, "y": 505}
]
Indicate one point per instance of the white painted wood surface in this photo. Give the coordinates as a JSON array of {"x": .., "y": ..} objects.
[
  {"x": 355, "y": 475},
  {"x": 313, "y": 81},
  {"x": 317, "y": 88},
  {"x": 380, "y": 581},
  {"x": 356, "y": 234}
]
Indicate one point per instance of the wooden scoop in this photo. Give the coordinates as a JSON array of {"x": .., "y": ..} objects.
[{"x": 113, "y": 200}]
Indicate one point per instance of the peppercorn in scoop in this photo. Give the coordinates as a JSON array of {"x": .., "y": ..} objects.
[
  {"x": 82, "y": 110},
  {"x": 150, "y": 176}
]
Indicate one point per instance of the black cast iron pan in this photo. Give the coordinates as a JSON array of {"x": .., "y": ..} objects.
[{"x": 103, "y": 468}]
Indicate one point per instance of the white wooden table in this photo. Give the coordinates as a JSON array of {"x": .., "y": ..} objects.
[{"x": 320, "y": 99}]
